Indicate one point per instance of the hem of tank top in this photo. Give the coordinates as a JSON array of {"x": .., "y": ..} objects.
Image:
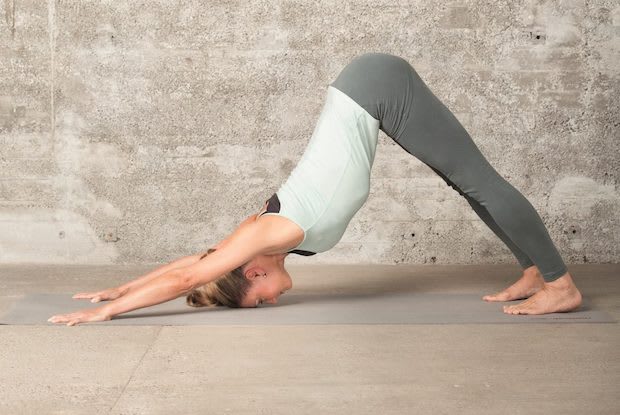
[
  {"x": 301, "y": 227},
  {"x": 355, "y": 102}
]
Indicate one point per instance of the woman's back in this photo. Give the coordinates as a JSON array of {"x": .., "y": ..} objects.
[{"x": 331, "y": 182}]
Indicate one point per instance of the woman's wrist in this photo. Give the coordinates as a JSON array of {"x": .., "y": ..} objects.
[
  {"x": 105, "y": 310},
  {"x": 125, "y": 288},
  {"x": 160, "y": 289}
]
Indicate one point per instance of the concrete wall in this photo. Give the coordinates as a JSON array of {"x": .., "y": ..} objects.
[{"x": 142, "y": 131}]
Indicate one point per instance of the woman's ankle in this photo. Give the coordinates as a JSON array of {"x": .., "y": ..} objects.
[{"x": 564, "y": 281}]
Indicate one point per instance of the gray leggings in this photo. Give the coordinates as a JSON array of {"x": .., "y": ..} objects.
[{"x": 391, "y": 91}]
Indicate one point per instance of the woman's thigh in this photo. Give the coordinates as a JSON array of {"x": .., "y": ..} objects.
[
  {"x": 435, "y": 136},
  {"x": 390, "y": 89}
]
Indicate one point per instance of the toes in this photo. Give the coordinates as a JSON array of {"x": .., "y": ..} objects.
[
  {"x": 495, "y": 297},
  {"x": 523, "y": 311},
  {"x": 525, "y": 307},
  {"x": 542, "y": 302},
  {"x": 515, "y": 309}
]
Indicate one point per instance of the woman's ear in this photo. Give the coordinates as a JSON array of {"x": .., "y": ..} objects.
[{"x": 254, "y": 272}]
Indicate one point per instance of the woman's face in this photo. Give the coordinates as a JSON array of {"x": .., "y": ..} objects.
[{"x": 269, "y": 280}]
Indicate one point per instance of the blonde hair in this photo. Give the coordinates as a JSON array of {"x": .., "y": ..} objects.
[{"x": 228, "y": 290}]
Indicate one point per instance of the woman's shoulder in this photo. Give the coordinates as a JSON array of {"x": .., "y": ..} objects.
[{"x": 280, "y": 233}]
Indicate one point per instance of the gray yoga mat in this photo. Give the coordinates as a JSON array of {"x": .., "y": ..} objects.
[{"x": 301, "y": 309}]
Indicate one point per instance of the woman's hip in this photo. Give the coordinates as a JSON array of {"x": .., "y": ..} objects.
[{"x": 383, "y": 85}]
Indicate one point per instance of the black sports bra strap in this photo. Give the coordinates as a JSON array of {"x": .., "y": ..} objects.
[{"x": 273, "y": 206}]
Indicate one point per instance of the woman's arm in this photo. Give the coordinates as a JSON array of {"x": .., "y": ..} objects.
[
  {"x": 177, "y": 263},
  {"x": 244, "y": 244},
  {"x": 269, "y": 235},
  {"x": 116, "y": 292},
  {"x": 182, "y": 262},
  {"x": 253, "y": 237}
]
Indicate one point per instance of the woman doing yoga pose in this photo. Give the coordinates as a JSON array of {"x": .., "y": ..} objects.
[{"x": 312, "y": 208}]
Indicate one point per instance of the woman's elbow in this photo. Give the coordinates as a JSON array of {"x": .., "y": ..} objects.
[{"x": 183, "y": 281}]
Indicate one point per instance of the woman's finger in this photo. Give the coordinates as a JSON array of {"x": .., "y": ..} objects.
[
  {"x": 84, "y": 295},
  {"x": 97, "y": 296},
  {"x": 81, "y": 316},
  {"x": 60, "y": 318}
]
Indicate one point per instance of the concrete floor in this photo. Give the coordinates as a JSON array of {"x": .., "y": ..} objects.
[{"x": 387, "y": 369}]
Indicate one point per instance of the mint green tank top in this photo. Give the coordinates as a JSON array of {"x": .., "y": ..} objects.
[{"x": 331, "y": 182}]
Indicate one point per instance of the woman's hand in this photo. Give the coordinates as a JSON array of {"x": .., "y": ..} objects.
[
  {"x": 81, "y": 316},
  {"x": 105, "y": 295}
]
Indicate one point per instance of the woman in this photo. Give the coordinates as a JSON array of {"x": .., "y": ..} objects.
[{"x": 311, "y": 210}]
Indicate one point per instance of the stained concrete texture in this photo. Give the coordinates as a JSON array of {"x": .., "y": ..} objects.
[
  {"x": 327, "y": 369},
  {"x": 138, "y": 131}
]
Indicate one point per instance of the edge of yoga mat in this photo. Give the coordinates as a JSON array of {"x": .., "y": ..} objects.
[{"x": 401, "y": 308}]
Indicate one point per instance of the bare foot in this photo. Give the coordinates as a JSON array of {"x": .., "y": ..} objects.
[
  {"x": 530, "y": 283},
  {"x": 557, "y": 296}
]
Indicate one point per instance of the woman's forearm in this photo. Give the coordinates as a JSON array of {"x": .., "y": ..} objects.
[
  {"x": 159, "y": 289},
  {"x": 178, "y": 263},
  {"x": 245, "y": 243}
]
